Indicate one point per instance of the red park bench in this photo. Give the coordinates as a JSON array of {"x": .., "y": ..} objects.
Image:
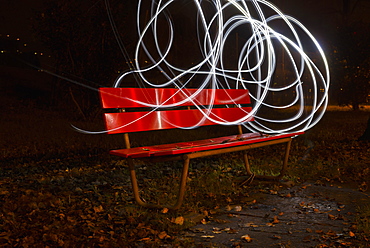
[{"x": 132, "y": 114}]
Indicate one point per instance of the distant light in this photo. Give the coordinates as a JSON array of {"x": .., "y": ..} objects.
[
  {"x": 8, "y": 35},
  {"x": 18, "y": 39},
  {"x": 25, "y": 44},
  {"x": 41, "y": 54},
  {"x": 35, "y": 53}
]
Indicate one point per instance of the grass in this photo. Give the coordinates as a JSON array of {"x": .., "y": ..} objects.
[
  {"x": 61, "y": 188},
  {"x": 363, "y": 219}
]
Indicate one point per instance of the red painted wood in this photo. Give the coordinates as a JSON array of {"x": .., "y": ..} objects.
[
  {"x": 140, "y": 97},
  {"x": 227, "y": 143},
  {"x": 156, "y": 120},
  {"x": 200, "y": 145}
]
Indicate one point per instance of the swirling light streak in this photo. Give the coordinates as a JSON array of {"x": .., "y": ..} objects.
[{"x": 256, "y": 64}]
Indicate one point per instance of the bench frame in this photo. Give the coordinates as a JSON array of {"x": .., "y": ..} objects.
[{"x": 237, "y": 143}]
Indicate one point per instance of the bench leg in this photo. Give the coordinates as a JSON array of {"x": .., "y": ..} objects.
[
  {"x": 247, "y": 165},
  {"x": 282, "y": 171},
  {"x": 180, "y": 195}
]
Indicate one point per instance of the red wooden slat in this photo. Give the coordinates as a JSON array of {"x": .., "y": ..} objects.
[
  {"x": 156, "y": 120},
  {"x": 140, "y": 97},
  {"x": 200, "y": 145},
  {"x": 231, "y": 143},
  {"x": 148, "y": 151}
]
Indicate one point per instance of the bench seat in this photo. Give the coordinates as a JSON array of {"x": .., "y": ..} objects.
[{"x": 199, "y": 145}]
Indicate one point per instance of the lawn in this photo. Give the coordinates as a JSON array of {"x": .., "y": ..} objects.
[{"x": 60, "y": 188}]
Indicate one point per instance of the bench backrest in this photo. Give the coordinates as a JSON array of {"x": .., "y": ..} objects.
[{"x": 138, "y": 114}]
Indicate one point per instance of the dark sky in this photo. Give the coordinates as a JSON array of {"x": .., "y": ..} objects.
[
  {"x": 15, "y": 21},
  {"x": 320, "y": 16},
  {"x": 15, "y": 16}
]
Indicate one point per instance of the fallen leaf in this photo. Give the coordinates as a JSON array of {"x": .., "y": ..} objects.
[
  {"x": 197, "y": 230},
  {"x": 98, "y": 209},
  {"x": 238, "y": 208},
  {"x": 164, "y": 210},
  {"x": 331, "y": 233},
  {"x": 204, "y": 221},
  {"x": 332, "y": 217},
  {"x": 322, "y": 246},
  {"x": 178, "y": 220},
  {"x": 351, "y": 234},
  {"x": 236, "y": 244},
  {"x": 275, "y": 236},
  {"x": 246, "y": 238},
  {"x": 232, "y": 231},
  {"x": 250, "y": 224},
  {"x": 162, "y": 235},
  {"x": 276, "y": 220},
  {"x": 144, "y": 239}
]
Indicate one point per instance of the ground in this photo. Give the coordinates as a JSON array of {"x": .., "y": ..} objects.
[
  {"x": 317, "y": 214},
  {"x": 60, "y": 188}
]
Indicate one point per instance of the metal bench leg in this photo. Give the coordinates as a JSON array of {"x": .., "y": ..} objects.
[
  {"x": 182, "y": 186},
  {"x": 282, "y": 171},
  {"x": 180, "y": 195},
  {"x": 247, "y": 165},
  {"x": 286, "y": 157}
]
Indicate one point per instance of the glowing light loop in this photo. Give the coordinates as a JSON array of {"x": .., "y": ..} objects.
[{"x": 275, "y": 57}]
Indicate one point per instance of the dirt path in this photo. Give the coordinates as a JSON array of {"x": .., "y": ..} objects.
[{"x": 307, "y": 215}]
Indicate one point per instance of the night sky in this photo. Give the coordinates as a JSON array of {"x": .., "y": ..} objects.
[
  {"x": 15, "y": 14},
  {"x": 320, "y": 17},
  {"x": 15, "y": 18}
]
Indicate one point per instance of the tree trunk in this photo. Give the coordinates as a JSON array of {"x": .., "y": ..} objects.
[
  {"x": 366, "y": 135},
  {"x": 355, "y": 106}
]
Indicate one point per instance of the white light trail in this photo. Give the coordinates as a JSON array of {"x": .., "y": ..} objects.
[{"x": 276, "y": 58}]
